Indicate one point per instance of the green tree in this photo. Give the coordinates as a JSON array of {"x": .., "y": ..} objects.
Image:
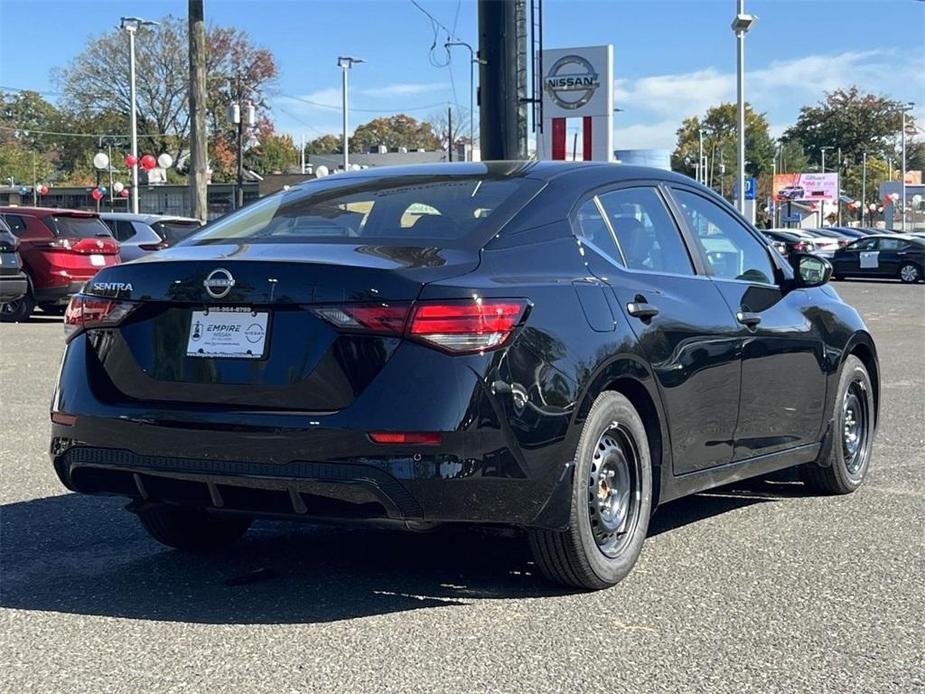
[
  {"x": 719, "y": 145},
  {"x": 399, "y": 130},
  {"x": 325, "y": 144},
  {"x": 274, "y": 153},
  {"x": 854, "y": 121}
]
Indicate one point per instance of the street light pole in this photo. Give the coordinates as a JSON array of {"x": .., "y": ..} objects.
[
  {"x": 473, "y": 61},
  {"x": 700, "y": 177},
  {"x": 345, "y": 62},
  {"x": 131, "y": 25},
  {"x": 740, "y": 25},
  {"x": 905, "y": 109},
  {"x": 863, "y": 188}
]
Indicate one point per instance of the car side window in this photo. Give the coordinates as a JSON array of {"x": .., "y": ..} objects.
[
  {"x": 862, "y": 245},
  {"x": 890, "y": 244},
  {"x": 648, "y": 236},
  {"x": 124, "y": 230},
  {"x": 731, "y": 250},
  {"x": 593, "y": 229},
  {"x": 17, "y": 224}
]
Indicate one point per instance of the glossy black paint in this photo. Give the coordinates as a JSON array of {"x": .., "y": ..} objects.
[{"x": 720, "y": 400}]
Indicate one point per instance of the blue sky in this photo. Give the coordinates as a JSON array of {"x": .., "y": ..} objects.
[{"x": 671, "y": 58}]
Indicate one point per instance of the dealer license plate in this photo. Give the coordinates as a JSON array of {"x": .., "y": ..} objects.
[{"x": 228, "y": 332}]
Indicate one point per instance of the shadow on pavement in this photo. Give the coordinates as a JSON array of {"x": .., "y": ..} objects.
[{"x": 86, "y": 555}]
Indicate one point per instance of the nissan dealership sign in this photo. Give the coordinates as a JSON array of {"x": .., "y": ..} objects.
[
  {"x": 572, "y": 81},
  {"x": 577, "y": 87}
]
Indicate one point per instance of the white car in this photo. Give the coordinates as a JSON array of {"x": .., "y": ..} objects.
[{"x": 140, "y": 234}]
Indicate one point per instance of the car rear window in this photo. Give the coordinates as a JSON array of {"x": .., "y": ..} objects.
[
  {"x": 175, "y": 230},
  {"x": 83, "y": 227},
  {"x": 414, "y": 210}
]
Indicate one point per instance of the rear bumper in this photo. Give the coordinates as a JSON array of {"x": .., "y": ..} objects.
[
  {"x": 13, "y": 287},
  {"x": 58, "y": 294},
  {"x": 319, "y": 465}
]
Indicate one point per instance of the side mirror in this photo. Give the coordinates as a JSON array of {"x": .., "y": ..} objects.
[{"x": 810, "y": 270}]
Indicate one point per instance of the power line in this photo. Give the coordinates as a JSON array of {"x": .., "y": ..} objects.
[
  {"x": 433, "y": 19},
  {"x": 318, "y": 104},
  {"x": 33, "y": 131}
]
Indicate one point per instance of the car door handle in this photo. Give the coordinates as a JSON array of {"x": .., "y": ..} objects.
[
  {"x": 748, "y": 319},
  {"x": 641, "y": 310}
]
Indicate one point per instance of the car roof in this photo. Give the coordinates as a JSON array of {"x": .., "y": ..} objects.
[
  {"x": 144, "y": 217},
  {"x": 45, "y": 211}
]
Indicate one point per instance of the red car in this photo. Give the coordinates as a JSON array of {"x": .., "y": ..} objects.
[{"x": 61, "y": 250}]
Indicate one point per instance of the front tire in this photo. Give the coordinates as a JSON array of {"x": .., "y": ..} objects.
[
  {"x": 910, "y": 273},
  {"x": 848, "y": 460},
  {"x": 192, "y": 529},
  {"x": 610, "y": 504}
]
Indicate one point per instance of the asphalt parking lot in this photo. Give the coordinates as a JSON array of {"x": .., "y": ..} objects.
[{"x": 759, "y": 587}]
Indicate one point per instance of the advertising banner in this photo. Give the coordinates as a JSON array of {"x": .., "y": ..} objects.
[{"x": 806, "y": 187}]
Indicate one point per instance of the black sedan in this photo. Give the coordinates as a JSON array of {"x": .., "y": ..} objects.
[
  {"x": 557, "y": 347},
  {"x": 13, "y": 281},
  {"x": 893, "y": 255}
]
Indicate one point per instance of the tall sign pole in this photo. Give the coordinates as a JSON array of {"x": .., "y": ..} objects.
[
  {"x": 740, "y": 25},
  {"x": 498, "y": 96}
]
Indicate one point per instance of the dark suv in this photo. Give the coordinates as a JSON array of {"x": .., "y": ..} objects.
[
  {"x": 61, "y": 250},
  {"x": 13, "y": 282}
]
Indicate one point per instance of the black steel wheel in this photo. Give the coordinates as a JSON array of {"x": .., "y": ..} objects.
[
  {"x": 843, "y": 468},
  {"x": 17, "y": 311},
  {"x": 610, "y": 504}
]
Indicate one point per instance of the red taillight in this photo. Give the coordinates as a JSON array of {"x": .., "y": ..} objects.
[
  {"x": 455, "y": 326},
  {"x": 64, "y": 418},
  {"x": 843, "y": 242},
  {"x": 429, "y": 438},
  {"x": 801, "y": 246},
  {"x": 471, "y": 326},
  {"x": 90, "y": 312}
]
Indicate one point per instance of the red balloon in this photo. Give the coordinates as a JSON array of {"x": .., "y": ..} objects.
[
  {"x": 96, "y": 194},
  {"x": 130, "y": 160},
  {"x": 124, "y": 193},
  {"x": 148, "y": 162},
  {"x": 43, "y": 189}
]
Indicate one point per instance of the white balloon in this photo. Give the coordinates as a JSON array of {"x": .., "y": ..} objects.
[
  {"x": 872, "y": 207},
  {"x": 118, "y": 187},
  {"x": 894, "y": 196},
  {"x": 101, "y": 160},
  {"x": 321, "y": 171},
  {"x": 916, "y": 199},
  {"x": 165, "y": 161},
  {"x": 354, "y": 167}
]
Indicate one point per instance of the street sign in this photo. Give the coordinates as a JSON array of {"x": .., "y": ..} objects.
[{"x": 751, "y": 188}]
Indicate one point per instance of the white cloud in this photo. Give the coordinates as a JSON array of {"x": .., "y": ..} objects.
[
  {"x": 405, "y": 89},
  {"x": 656, "y": 105}
]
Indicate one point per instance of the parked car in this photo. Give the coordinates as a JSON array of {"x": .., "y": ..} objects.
[
  {"x": 885, "y": 255},
  {"x": 787, "y": 242},
  {"x": 13, "y": 281},
  {"x": 824, "y": 246},
  {"x": 140, "y": 234},
  {"x": 791, "y": 193},
  {"x": 61, "y": 250},
  {"x": 553, "y": 346},
  {"x": 828, "y": 241},
  {"x": 848, "y": 232}
]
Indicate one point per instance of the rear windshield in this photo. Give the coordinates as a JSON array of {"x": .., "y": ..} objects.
[
  {"x": 175, "y": 230},
  {"x": 83, "y": 227},
  {"x": 447, "y": 211}
]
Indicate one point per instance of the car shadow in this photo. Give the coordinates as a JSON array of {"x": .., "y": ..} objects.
[{"x": 86, "y": 555}]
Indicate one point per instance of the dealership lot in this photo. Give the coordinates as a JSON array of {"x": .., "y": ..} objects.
[{"x": 756, "y": 587}]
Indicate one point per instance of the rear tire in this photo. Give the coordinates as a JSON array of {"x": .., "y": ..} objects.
[
  {"x": 18, "y": 311},
  {"x": 910, "y": 273},
  {"x": 848, "y": 460},
  {"x": 192, "y": 529},
  {"x": 610, "y": 504}
]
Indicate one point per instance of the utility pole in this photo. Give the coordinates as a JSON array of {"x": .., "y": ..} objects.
[
  {"x": 199, "y": 146},
  {"x": 700, "y": 177},
  {"x": 449, "y": 132},
  {"x": 302, "y": 152},
  {"x": 472, "y": 63},
  {"x": 863, "y": 188},
  {"x": 498, "y": 98},
  {"x": 908, "y": 107}
]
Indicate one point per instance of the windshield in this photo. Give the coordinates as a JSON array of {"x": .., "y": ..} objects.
[
  {"x": 175, "y": 230},
  {"x": 410, "y": 210},
  {"x": 83, "y": 227}
]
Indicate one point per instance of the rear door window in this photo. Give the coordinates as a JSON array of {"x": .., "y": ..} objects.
[
  {"x": 649, "y": 239},
  {"x": 175, "y": 230},
  {"x": 594, "y": 231},
  {"x": 396, "y": 210},
  {"x": 16, "y": 223}
]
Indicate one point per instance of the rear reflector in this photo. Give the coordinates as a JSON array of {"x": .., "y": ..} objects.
[
  {"x": 64, "y": 418},
  {"x": 385, "y": 318},
  {"x": 472, "y": 326},
  {"x": 430, "y": 438},
  {"x": 90, "y": 312}
]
